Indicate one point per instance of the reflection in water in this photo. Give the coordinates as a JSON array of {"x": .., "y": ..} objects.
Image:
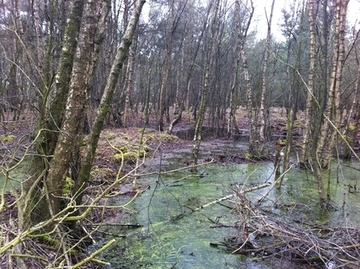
[
  {"x": 175, "y": 237},
  {"x": 15, "y": 176},
  {"x": 208, "y": 132}
]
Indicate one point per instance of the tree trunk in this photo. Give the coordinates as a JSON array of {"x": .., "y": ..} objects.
[
  {"x": 52, "y": 113},
  {"x": 352, "y": 128},
  {"x": 332, "y": 114},
  {"x": 232, "y": 122},
  {"x": 264, "y": 114},
  {"x": 166, "y": 65},
  {"x": 181, "y": 101},
  {"x": 147, "y": 98},
  {"x": 310, "y": 87},
  {"x": 46, "y": 193},
  {"x": 92, "y": 142},
  {"x": 129, "y": 84},
  {"x": 67, "y": 151},
  {"x": 205, "y": 88},
  {"x": 254, "y": 148}
]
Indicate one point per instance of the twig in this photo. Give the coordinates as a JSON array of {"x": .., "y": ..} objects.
[
  {"x": 232, "y": 195},
  {"x": 94, "y": 254}
]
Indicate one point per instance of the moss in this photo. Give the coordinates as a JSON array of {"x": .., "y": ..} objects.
[
  {"x": 49, "y": 240},
  {"x": 129, "y": 156},
  {"x": 349, "y": 139},
  {"x": 127, "y": 137},
  {"x": 118, "y": 156},
  {"x": 102, "y": 173},
  {"x": 6, "y": 138},
  {"x": 124, "y": 148},
  {"x": 69, "y": 184},
  {"x": 110, "y": 136},
  {"x": 84, "y": 142},
  {"x": 142, "y": 153},
  {"x": 351, "y": 128},
  {"x": 167, "y": 137},
  {"x": 150, "y": 137},
  {"x": 297, "y": 123},
  {"x": 281, "y": 142}
]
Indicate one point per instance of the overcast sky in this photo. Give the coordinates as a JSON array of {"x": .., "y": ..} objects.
[{"x": 260, "y": 19}]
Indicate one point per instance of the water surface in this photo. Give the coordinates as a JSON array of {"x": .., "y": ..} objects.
[{"x": 175, "y": 237}]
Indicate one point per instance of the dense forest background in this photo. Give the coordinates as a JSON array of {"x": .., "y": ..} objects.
[
  {"x": 170, "y": 56},
  {"x": 68, "y": 68}
]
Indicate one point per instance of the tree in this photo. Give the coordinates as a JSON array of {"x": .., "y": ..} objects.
[
  {"x": 105, "y": 102},
  {"x": 310, "y": 85},
  {"x": 182, "y": 99},
  {"x": 332, "y": 113},
  {"x": 232, "y": 123},
  {"x": 254, "y": 148},
  {"x": 205, "y": 87},
  {"x": 52, "y": 114},
  {"x": 263, "y": 111},
  {"x": 174, "y": 21},
  {"x": 293, "y": 85},
  {"x": 60, "y": 148}
]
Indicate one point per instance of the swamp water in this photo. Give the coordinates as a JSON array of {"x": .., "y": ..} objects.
[
  {"x": 15, "y": 176},
  {"x": 172, "y": 236}
]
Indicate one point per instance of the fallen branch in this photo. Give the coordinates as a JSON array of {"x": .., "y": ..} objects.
[
  {"x": 265, "y": 234},
  {"x": 232, "y": 195}
]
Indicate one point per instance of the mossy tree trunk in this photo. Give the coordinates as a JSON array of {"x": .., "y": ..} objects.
[
  {"x": 353, "y": 121},
  {"x": 129, "y": 82},
  {"x": 116, "y": 68},
  {"x": 61, "y": 126},
  {"x": 50, "y": 123},
  {"x": 67, "y": 151},
  {"x": 331, "y": 125},
  {"x": 295, "y": 84}
]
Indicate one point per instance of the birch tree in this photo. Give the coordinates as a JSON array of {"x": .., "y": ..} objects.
[
  {"x": 332, "y": 114},
  {"x": 254, "y": 146},
  {"x": 310, "y": 85},
  {"x": 174, "y": 21},
  {"x": 205, "y": 87},
  {"x": 263, "y": 113},
  {"x": 59, "y": 150},
  {"x": 182, "y": 100},
  {"x": 232, "y": 123},
  {"x": 293, "y": 87}
]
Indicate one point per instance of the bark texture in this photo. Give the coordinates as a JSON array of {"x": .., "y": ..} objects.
[
  {"x": 264, "y": 130},
  {"x": 310, "y": 86},
  {"x": 205, "y": 88},
  {"x": 332, "y": 114},
  {"x": 116, "y": 68}
]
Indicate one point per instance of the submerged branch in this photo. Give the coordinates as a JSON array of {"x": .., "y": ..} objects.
[
  {"x": 266, "y": 235},
  {"x": 232, "y": 195}
]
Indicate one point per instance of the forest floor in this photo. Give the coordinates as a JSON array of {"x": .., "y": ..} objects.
[
  {"x": 121, "y": 148},
  {"x": 16, "y": 138}
]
